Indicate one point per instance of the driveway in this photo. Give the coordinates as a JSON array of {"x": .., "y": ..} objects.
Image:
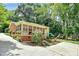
[
  {"x": 65, "y": 49},
  {"x": 11, "y": 47}
]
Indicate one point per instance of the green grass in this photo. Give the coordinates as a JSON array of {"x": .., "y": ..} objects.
[
  {"x": 71, "y": 41},
  {"x": 6, "y": 33}
]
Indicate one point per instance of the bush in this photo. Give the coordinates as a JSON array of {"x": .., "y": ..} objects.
[
  {"x": 6, "y": 30},
  {"x": 4, "y": 27},
  {"x": 17, "y": 38},
  {"x": 77, "y": 39},
  {"x": 37, "y": 38}
]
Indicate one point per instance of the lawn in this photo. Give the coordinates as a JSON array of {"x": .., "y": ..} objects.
[{"x": 71, "y": 41}]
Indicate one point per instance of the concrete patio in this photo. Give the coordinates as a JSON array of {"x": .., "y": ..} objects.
[
  {"x": 65, "y": 49},
  {"x": 11, "y": 47}
]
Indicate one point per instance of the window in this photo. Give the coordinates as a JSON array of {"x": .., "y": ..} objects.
[
  {"x": 18, "y": 28},
  {"x": 30, "y": 30}
]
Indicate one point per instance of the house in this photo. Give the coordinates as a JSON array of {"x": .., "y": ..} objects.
[{"x": 25, "y": 29}]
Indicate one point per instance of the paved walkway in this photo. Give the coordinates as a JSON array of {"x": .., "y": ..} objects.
[
  {"x": 11, "y": 47},
  {"x": 65, "y": 49}
]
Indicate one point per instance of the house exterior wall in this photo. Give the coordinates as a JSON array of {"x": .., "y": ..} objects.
[
  {"x": 26, "y": 38},
  {"x": 12, "y": 27},
  {"x": 25, "y": 29}
]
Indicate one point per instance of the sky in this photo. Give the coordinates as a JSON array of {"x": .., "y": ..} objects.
[{"x": 11, "y": 6}]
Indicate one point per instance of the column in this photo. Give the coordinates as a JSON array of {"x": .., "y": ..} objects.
[
  {"x": 27, "y": 29},
  {"x": 21, "y": 29}
]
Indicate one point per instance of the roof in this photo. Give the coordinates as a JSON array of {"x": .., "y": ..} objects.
[{"x": 30, "y": 24}]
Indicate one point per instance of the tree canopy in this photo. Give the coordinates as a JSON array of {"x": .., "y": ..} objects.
[
  {"x": 4, "y": 21},
  {"x": 62, "y": 18}
]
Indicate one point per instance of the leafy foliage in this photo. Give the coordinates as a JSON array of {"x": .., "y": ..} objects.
[
  {"x": 37, "y": 38},
  {"x": 4, "y": 21},
  {"x": 61, "y": 18}
]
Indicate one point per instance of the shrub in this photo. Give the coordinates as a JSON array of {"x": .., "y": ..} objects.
[
  {"x": 77, "y": 39},
  {"x": 37, "y": 38},
  {"x": 17, "y": 38},
  {"x": 6, "y": 30}
]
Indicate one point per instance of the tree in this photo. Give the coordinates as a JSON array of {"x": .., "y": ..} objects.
[
  {"x": 68, "y": 17},
  {"x": 4, "y": 21},
  {"x": 61, "y": 18}
]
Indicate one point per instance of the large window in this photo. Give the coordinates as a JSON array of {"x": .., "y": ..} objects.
[
  {"x": 18, "y": 28},
  {"x": 24, "y": 27},
  {"x": 30, "y": 30}
]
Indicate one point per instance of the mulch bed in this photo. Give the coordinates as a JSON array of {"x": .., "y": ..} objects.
[{"x": 45, "y": 43}]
